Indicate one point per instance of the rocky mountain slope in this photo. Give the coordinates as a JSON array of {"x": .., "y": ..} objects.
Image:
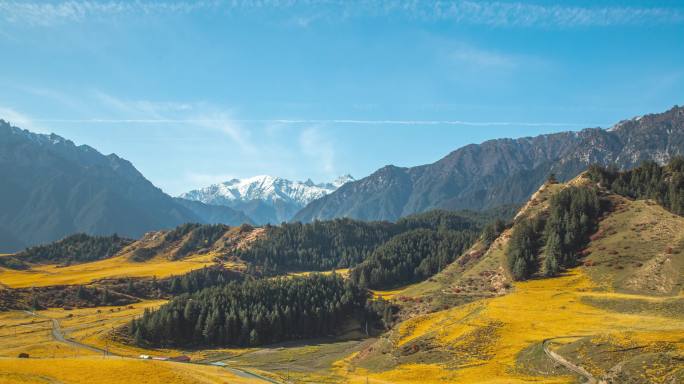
[
  {"x": 264, "y": 198},
  {"x": 613, "y": 318},
  {"x": 502, "y": 171},
  {"x": 52, "y": 188}
]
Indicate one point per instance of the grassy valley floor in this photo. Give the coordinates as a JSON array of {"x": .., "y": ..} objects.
[
  {"x": 120, "y": 266},
  {"x": 482, "y": 341}
]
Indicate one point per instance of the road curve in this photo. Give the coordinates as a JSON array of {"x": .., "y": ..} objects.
[
  {"x": 567, "y": 364},
  {"x": 58, "y": 335}
]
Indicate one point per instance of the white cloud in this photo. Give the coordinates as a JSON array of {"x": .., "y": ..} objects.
[
  {"x": 481, "y": 58},
  {"x": 304, "y": 12},
  {"x": 19, "y": 119},
  {"x": 318, "y": 148},
  {"x": 526, "y": 14},
  {"x": 49, "y": 13},
  {"x": 469, "y": 57},
  {"x": 222, "y": 122},
  {"x": 216, "y": 123},
  {"x": 196, "y": 114}
]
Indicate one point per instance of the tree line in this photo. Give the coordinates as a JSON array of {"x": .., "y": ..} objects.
[
  {"x": 413, "y": 256},
  {"x": 664, "y": 184},
  {"x": 559, "y": 236},
  {"x": 252, "y": 312},
  {"x": 77, "y": 248},
  {"x": 321, "y": 245},
  {"x": 341, "y": 243}
]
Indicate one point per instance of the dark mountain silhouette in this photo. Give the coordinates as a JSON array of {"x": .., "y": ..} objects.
[
  {"x": 52, "y": 188},
  {"x": 502, "y": 171}
]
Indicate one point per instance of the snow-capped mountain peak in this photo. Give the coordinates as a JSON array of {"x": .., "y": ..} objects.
[
  {"x": 342, "y": 180},
  {"x": 269, "y": 189}
]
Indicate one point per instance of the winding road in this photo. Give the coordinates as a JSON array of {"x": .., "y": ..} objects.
[
  {"x": 58, "y": 335},
  {"x": 564, "y": 362}
]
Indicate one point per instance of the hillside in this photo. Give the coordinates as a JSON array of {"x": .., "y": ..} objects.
[
  {"x": 611, "y": 311},
  {"x": 53, "y": 188},
  {"x": 502, "y": 171},
  {"x": 157, "y": 254},
  {"x": 615, "y": 317}
]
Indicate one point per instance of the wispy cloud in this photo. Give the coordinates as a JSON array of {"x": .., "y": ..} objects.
[
  {"x": 480, "y": 58},
  {"x": 19, "y": 119},
  {"x": 304, "y": 12},
  {"x": 49, "y": 13},
  {"x": 318, "y": 148},
  {"x": 528, "y": 14},
  {"x": 223, "y": 122},
  {"x": 324, "y": 122},
  {"x": 198, "y": 115}
]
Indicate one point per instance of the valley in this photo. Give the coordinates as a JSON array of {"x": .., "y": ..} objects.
[
  {"x": 616, "y": 315},
  {"x": 177, "y": 203},
  {"x": 582, "y": 282}
]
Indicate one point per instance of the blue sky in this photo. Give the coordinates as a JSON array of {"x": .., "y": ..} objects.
[{"x": 200, "y": 92}]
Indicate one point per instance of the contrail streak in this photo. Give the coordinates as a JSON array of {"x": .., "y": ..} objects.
[{"x": 320, "y": 121}]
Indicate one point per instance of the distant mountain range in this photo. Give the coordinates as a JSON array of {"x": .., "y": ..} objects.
[
  {"x": 265, "y": 199},
  {"x": 503, "y": 171},
  {"x": 52, "y": 188}
]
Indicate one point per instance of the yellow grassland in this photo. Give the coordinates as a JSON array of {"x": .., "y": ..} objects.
[
  {"x": 344, "y": 272},
  {"x": 22, "y": 331},
  {"x": 639, "y": 249},
  {"x": 392, "y": 293},
  {"x": 54, "y": 361},
  {"x": 120, "y": 266},
  {"x": 112, "y": 371},
  {"x": 483, "y": 338}
]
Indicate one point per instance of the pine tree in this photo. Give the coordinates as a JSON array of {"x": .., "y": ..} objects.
[
  {"x": 522, "y": 249},
  {"x": 81, "y": 293},
  {"x": 106, "y": 297},
  {"x": 34, "y": 303},
  {"x": 138, "y": 338},
  {"x": 254, "y": 337},
  {"x": 553, "y": 255}
]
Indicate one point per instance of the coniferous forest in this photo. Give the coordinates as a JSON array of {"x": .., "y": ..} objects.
[
  {"x": 412, "y": 256},
  {"x": 664, "y": 184},
  {"x": 253, "y": 312},
  {"x": 344, "y": 243},
  {"x": 78, "y": 248},
  {"x": 572, "y": 218},
  {"x": 321, "y": 245},
  {"x": 228, "y": 310}
]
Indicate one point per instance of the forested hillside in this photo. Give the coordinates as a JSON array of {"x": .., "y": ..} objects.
[
  {"x": 317, "y": 246},
  {"x": 78, "y": 248},
  {"x": 252, "y": 313},
  {"x": 559, "y": 234},
  {"x": 664, "y": 184},
  {"x": 343, "y": 243},
  {"x": 412, "y": 256}
]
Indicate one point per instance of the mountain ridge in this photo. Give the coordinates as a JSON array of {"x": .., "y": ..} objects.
[
  {"x": 53, "y": 188},
  {"x": 500, "y": 171},
  {"x": 265, "y": 198}
]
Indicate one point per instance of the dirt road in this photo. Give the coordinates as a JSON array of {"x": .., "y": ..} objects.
[{"x": 567, "y": 364}]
